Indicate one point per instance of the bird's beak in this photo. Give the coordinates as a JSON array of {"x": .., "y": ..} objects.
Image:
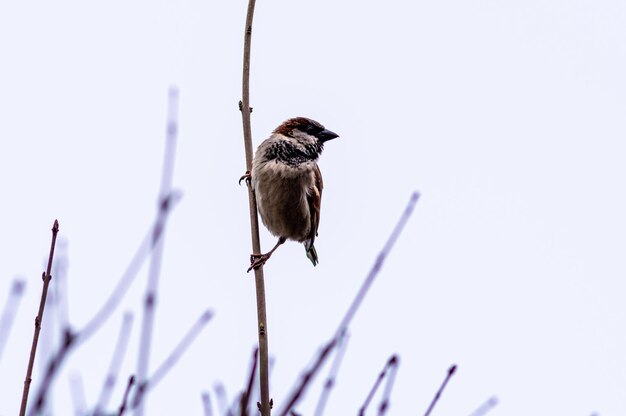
[{"x": 326, "y": 135}]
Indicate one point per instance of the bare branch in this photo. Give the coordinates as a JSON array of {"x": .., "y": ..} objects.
[
  {"x": 486, "y": 407},
  {"x": 114, "y": 366},
  {"x": 206, "y": 404},
  {"x": 222, "y": 399},
  {"x": 332, "y": 375},
  {"x": 77, "y": 391},
  {"x": 122, "y": 408},
  {"x": 302, "y": 385},
  {"x": 245, "y": 397},
  {"x": 391, "y": 377},
  {"x": 42, "y": 304},
  {"x": 451, "y": 371},
  {"x": 392, "y": 363},
  {"x": 10, "y": 310},
  {"x": 244, "y": 106},
  {"x": 157, "y": 255}
]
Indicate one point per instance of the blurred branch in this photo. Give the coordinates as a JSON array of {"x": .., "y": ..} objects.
[
  {"x": 42, "y": 304},
  {"x": 244, "y": 106},
  {"x": 332, "y": 375},
  {"x": 206, "y": 404},
  {"x": 77, "y": 391},
  {"x": 150, "y": 299},
  {"x": 451, "y": 372},
  {"x": 245, "y": 397},
  {"x": 390, "y": 368},
  {"x": 10, "y": 310},
  {"x": 222, "y": 399},
  {"x": 129, "y": 385},
  {"x": 391, "y": 377},
  {"x": 171, "y": 360},
  {"x": 59, "y": 270},
  {"x": 300, "y": 388},
  {"x": 486, "y": 407},
  {"x": 116, "y": 363}
]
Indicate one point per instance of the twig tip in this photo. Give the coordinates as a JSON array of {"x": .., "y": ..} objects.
[
  {"x": 207, "y": 315},
  {"x": 55, "y": 226},
  {"x": 452, "y": 369}
]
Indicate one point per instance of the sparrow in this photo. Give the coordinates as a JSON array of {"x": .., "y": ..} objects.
[{"x": 287, "y": 184}]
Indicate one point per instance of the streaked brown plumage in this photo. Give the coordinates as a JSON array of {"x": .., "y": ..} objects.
[{"x": 288, "y": 184}]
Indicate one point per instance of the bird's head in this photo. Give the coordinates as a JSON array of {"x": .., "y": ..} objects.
[{"x": 305, "y": 131}]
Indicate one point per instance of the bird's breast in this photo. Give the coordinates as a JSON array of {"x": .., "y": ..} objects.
[{"x": 281, "y": 193}]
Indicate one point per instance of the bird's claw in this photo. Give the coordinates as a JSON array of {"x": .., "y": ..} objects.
[
  {"x": 247, "y": 176},
  {"x": 256, "y": 261}
]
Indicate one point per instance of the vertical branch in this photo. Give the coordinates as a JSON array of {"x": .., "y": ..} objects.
[
  {"x": 451, "y": 371},
  {"x": 244, "y": 106},
  {"x": 245, "y": 397},
  {"x": 157, "y": 255},
  {"x": 206, "y": 404},
  {"x": 10, "y": 309},
  {"x": 42, "y": 304}
]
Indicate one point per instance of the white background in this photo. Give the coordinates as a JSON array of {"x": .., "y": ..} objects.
[{"x": 508, "y": 116}]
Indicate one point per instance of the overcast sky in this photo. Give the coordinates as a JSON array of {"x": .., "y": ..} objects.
[{"x": 507, "y": 116}]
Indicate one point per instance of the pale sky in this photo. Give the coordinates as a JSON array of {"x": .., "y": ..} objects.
[{"x": 507, "y": 116}]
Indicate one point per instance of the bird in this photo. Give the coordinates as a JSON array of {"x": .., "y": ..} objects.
[{"x": 287, "y": 184}]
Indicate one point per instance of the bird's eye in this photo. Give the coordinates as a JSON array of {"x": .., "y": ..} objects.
[{"x": 311, "y": 129}]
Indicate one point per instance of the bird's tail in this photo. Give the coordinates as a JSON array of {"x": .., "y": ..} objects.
[{"x": 311, "y": 253}]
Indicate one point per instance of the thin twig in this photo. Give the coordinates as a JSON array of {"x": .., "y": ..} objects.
[
  {"x": 150, "y": 298},
  {"x": 245, "y": 397},
  {"x": 170, "y": 361},
  {"x": 391, "y": 377},
  {"x": 116, "y": 363},
  {"x": 206, "y": 404},
  {"x": 391, "y": 363},
  {"x": 302, "y": 385},
  {"x": 77, "y": 391},
  {"x": 122, "y": 408},
  {"x": 42, "y": 304},
  {"x": 244, "y": 106},
  {"x": 486, "y": 407},
  {"x": 449, "y": 375},
  {"x": 332, "y": 375},
  {"x": 10, "y": 310}
]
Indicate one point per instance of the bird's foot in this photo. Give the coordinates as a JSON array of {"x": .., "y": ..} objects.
[
  {"x": 258, "y": 260},
  {"x": 247, "y": 176}
]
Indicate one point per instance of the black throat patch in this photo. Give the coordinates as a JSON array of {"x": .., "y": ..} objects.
[{"x": 288, "y": 153}]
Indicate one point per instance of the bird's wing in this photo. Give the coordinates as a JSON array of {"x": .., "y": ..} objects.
[{"x": 315, "y": 202}]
